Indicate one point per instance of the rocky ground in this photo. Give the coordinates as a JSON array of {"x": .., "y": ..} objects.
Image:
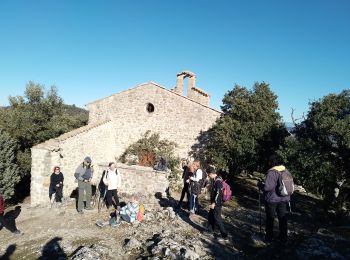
[{"x": 61, "y": 233}]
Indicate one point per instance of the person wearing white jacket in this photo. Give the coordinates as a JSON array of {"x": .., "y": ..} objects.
[
  {"x": 112, "y": 180},
  {"x": 195, "y": 185}
]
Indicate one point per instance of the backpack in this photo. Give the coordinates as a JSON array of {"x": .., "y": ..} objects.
[
  {"x": 226, "y": 191},
  {"x": 141, "y": 213},
  {"x": 204, "y": 181},
  {"x": 285, "y": 184},
  {"x": 101, "y": 186},
  {"x": 195, "y": 188}
]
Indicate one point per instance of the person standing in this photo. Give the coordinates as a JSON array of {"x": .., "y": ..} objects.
[
  {"x": 3, "y": 221},
  {"x": 56, "y": 185},
  {"x": 216, "y": 201},
  {"x": 112, "y": 179},
  {"x": 273, "y": 202},
  {"x": 186, "y": 174},
  {"x": 195, "y": 186},
  {"x": 84, "y": 174}
]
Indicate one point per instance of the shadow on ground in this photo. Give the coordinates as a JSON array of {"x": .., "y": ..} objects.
[{"x": 53, "y": 250}]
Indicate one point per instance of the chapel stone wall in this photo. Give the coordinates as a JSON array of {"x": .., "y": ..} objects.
[
  {"x": 175, "y": 117},
  {"x": 117, "y": 121}
]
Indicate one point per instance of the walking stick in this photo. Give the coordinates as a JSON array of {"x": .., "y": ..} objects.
[
  {"x": 259, "y": 212},
  {"x": 291, "y": 215}
]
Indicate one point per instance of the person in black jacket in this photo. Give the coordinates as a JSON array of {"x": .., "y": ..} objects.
[
  {"x": 56, "y": 184},
  {"x": 186, "y": 185},
  {"x": 214, "y": 216}
]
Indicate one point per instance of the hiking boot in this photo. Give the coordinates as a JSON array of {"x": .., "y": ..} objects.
[
  {"x": 115, "y": 224},
  {"x": 89, "y": 208},
  {"x": 80, "y": 212},
  {"x": 223, "y": 239},
  {"x": 209, "y": 234},
  {"x": 99, "y": 224}
]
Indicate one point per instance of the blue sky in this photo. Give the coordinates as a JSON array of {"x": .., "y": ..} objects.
[{"x": 92, "y": 49}]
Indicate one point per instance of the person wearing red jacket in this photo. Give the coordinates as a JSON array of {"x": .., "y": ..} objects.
[{"x": 3, "y": 220}]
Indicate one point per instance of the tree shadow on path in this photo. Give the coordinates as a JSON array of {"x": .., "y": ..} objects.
[
  {"x": 10, "y": 218},
  {"x": 171, "y": 202}
]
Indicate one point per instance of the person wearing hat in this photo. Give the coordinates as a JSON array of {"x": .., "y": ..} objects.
[{"x": 83, "y": 175}]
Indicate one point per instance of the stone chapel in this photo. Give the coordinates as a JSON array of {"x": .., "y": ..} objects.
[{"x": 119, "y": 120}]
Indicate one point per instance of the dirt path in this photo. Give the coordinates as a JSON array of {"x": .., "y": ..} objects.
[
  {"x": 59, "y": 232},
  {"x": 43, "y": 229}
]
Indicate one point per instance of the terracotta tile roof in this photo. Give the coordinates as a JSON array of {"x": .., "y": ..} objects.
[{"x": 201, "y": 91}]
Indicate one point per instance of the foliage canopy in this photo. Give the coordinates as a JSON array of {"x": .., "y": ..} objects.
[
  {"x": 9, "y": 171},
  {"x": 319, "y": 150},
  {"x": 248, "y": 131},
  {"x": 35, "y": 117},
  {"x": 149, "y": 149}
]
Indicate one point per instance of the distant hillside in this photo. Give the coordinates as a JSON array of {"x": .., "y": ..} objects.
[
  {"x": 74, "y": 111},
  {"x": 4, "y": 107},
  {"x": 70, "y": 110}
]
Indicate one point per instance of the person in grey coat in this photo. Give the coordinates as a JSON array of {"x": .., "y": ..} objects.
[
  {"x": 83, "y": 175},
  {"x": 273, "y": 202}
]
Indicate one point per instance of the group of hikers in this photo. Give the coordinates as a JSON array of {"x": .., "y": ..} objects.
[
  {"x": 277, "y": 191},
  {"x": 109, "y": 186},
  {"x": 194, "y": 180}
]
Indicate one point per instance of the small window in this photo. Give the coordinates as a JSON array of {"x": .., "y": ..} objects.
[{"x": 150, "y": 108}]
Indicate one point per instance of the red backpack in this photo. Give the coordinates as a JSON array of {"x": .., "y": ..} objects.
[{"x": 226, "y": 191}]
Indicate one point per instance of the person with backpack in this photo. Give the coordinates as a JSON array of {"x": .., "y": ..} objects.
[
  {"x": 277, "y": 189},
  {"x": 132, "y": 211},
  {"x": 129, "y": 212},
  {"x": 5, "y": 222},
  {"x": 112, "y": 180},
  {"x": 83, "y": 175},
  {"x": 56, "y": 185},
  {"x": 195, "y": 185},
  {"x": 216, "y": 201}
]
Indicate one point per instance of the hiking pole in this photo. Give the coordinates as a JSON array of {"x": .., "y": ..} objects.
[
  {"x": 291, "y": 215},
  {"x": 259, "y": 212}
]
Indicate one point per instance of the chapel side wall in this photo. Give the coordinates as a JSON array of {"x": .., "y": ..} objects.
[
  {"x": 143, "y": 181},
  {"x": 99, "y": 111},
  {"x": 40, "y": 180},
  {"x": 98, "y": 142},
  {"x": 175, "y": 117}
]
